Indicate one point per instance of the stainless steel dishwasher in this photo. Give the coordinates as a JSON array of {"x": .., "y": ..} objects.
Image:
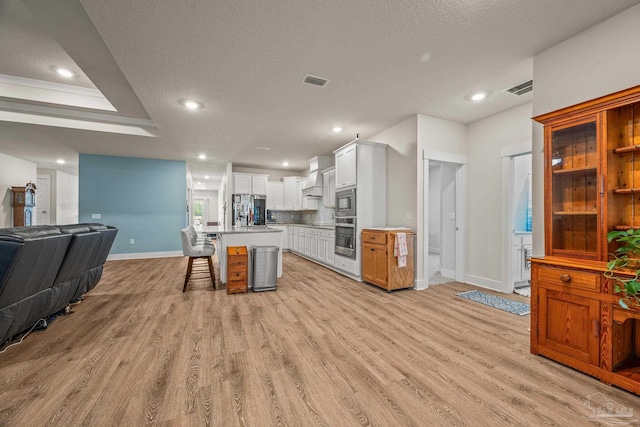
[{"x": 265, "y": 268}]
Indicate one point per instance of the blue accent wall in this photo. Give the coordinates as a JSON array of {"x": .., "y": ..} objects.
[{"x": 144, "y": 198}]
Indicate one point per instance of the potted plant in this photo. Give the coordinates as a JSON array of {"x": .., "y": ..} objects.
[{"x": 626, "y": 257}]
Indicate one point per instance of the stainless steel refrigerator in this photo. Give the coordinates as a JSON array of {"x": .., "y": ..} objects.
[{"x": 248, "y": 210}]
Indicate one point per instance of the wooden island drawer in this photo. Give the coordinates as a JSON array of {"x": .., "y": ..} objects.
[
  {"x": 379, "y": 238},
  {"x": 573, "y": 278}
]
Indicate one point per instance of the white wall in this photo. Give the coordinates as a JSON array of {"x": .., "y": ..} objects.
[
  {"x": 448, "y": 224},
  {"x": 401, "y": 172},
  {"x": 66, "y": 190},
  {"x": 486, "y": 138},
  {"x": 599, "y": 61},
  {"x": 435, "y": 207},
  {"x": 14, "y": 172}
]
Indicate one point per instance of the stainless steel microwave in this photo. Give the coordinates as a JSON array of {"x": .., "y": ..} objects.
[{"x": 346, "y": 203}]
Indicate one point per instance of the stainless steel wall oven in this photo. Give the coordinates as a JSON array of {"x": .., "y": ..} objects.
[{"x": 346, "y": 237}]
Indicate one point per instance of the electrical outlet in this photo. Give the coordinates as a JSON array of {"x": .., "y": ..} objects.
[
  {"x": 96, "y": 216},
  {"x": 131, "y": 241}
]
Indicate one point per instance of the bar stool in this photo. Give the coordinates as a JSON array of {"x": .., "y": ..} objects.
[{"x": 195, "y": 250}]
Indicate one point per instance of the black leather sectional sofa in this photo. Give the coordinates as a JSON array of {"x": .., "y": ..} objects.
[{"x": 43, "y": 268}]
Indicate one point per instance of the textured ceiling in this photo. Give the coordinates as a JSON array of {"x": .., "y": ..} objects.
[{"x": 385, "y": 59}]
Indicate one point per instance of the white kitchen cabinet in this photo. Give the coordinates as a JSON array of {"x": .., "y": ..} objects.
[
  {"x": 363, "y": 163},
  {"x": 313, "y": 243},
  {"x": 299, "y": 187},
  {"x": 302, "y": 235},
  {"x": 242, "y": 183},
  {"x": 290, "y": 186},
  {"x": 295, "y": 244},
  {"x": 245, "y": 183},
  {"x": 307, "y": 242},
  {"x": 290, "y": 238},
  {"x": 321, "y": 245},
  {"x": 346, "y": 166},
  {"x": 329, "y": 188},
  {"x": 275, "y": 195},
  {"x": 259, "y": 184},
  {"x": 330, "y": 244}
]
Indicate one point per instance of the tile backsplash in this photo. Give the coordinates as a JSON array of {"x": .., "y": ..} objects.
[{"x": 323, "y": 216}]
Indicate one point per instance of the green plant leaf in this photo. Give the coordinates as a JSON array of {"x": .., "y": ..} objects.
[
  {"x": 632, "y": 287},
  {"x": 616, "y": 288}
]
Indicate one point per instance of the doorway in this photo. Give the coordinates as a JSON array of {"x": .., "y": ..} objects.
[
  {"x": 444, "y": 233},
  {"x": 200, "y": 213},
  {"x": 517, "y": 219}
]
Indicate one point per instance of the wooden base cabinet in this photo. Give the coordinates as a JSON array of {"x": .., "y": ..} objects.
[
  {"x": 576, "y": 320},
  {"x": 569, "y": 325},
  {"x": 380, "y": 266}
]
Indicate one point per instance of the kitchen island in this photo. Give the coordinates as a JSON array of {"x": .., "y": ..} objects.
[{"x": 257, "y": 235}]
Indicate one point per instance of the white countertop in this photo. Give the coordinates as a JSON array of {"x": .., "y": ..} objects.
[
  {"x": 321, "y": 226},
  {"x": 240, "y": 229},
  {"x": 388, "y": 228}
]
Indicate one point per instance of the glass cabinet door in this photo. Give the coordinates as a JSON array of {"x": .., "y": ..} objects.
[
  {"x": 623, "y": 167},
  {"x": 573, "y": 172}
]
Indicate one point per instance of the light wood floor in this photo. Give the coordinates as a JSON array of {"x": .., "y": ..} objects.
[{"x": 321, "y": 350}]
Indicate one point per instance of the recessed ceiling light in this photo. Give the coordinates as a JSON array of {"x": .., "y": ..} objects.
[
  {"x": 285, "y": 163},
  {"x": 478, "y": 96},
  {"x": 191, "y": 104},
  {"x": 199, "y": 183},
  {"x": 63, "y": 72},
  {"x": 263, "y": 148},
  {"x": 206, "y": 177},
  {"x": 60, "y": 161},
  {"x": 337, "y": 129},
  {"x": 202, "y": 156}
]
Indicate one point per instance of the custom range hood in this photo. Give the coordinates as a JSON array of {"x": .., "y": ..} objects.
[{"x": 313, "y": 185}]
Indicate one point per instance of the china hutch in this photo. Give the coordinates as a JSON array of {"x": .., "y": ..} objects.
[{"x": 592, "y": 187}]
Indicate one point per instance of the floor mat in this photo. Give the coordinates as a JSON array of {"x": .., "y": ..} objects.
[
  {"x": 515, "y": 307},
  {"x": 524, "y": 291}
]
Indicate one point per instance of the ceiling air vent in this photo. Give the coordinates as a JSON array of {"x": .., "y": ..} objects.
[
  {"x": 316, "y": 81},
  {"x": 522, "y": 88}
]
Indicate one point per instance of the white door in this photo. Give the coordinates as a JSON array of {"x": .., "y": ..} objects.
[{"x": 43, "y": 200}]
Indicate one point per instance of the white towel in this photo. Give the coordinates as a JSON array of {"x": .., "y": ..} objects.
[{"x": 400, "y": 249}]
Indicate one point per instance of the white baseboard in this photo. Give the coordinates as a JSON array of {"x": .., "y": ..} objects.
[
  {"x": 419, "y": 285},
  {"x": 434, "y": 250},
  {"x": 445, "y": 272},
  {"x": 494, "y": 285},
  {"x": 144, "y": 255}
]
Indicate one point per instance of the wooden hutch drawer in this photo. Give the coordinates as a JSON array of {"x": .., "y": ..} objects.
[
  {"x": 574, "y": 278},
  {"x": 379, "y": 238}
]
